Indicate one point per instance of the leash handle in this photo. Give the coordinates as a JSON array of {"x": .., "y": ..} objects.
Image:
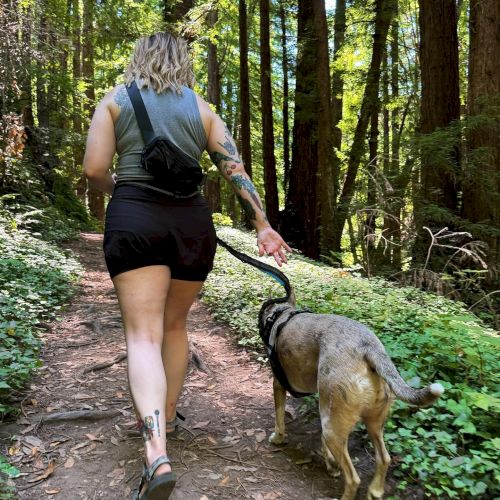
[{"x": 274, "y": 273}]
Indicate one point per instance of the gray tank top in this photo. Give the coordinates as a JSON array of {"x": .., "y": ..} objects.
[{"x": 175, "y": 116}]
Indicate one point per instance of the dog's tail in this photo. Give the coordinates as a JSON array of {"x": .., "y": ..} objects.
[{"x": 383, "y": 365}]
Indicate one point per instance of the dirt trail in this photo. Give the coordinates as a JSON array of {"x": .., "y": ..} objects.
[{"x": 223, "y": 454}]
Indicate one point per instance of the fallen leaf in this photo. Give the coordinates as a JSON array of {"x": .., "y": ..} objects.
[
  {"x": 52, "y": 492},
  {"x": 204, "y": 497},
  {"x": 240, "y": 468},
  {"x": 260, "y": 436},
  {"x": 249, "y": 432},
  {"x": 201, "y": 425},
  {"x": 303, "y": 461},
  {"x": 33, "y": 441},
  {"x": 119, "y": 395},
  {"x": 29, "y": 429},
  {"x": 224, "y": 481},
  {"x": 14, "y": 450},
  {"x": 212, "y": 440},
  {"x": 251, "y": 479},
  {"x": 80, "y": 445},
  {"x": 34, "y": 402},
  {"x": 93, "y": 438},
  {"x": 114, "y": 441},
  {"x": 48, "y": 471},
  {"x": 39, "y": 464},
  {"x": 69, "y": 463}
]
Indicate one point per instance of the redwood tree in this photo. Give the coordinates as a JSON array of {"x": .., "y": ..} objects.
[
  {"x": 268, "y": 158},
  {"x": 299, "y": 224},
  {"x": 481, "y": 188},
  {"x": 440, "y": 106}
]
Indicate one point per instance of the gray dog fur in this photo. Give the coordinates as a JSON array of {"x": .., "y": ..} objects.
[{"x": 347, "y": 365}]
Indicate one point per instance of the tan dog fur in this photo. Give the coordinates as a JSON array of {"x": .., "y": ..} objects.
[{"x": 356, "y": 380}]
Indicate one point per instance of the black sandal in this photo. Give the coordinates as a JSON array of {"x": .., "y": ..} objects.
[
  {"x": 174, "y": 425},
  {"x": 158, "y": 488}
]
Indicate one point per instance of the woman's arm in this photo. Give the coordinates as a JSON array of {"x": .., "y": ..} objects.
[
  {"x": 222, "y": 150},
  {"x": 101, "y": 148}
]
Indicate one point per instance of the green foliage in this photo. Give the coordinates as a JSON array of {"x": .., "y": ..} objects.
[
  {"x": 35, "y": 278},
  {"x": 221, "y": 219},
  {"x": 452, "y": 447},
  {"x": 7, "y": 470}
]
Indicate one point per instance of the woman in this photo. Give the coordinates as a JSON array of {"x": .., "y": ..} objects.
[{"x": 160, "y": 249}]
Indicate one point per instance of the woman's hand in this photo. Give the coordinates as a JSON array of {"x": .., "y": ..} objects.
[{"x": 271, "y": 243}]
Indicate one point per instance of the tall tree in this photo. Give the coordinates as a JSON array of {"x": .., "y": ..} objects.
[
  {"x": 384, "y": 12},
  {"x": 78, "y": 148},
  {"x": 286, "y": 114},
  {"x": 481, "y": 187},
  {"x": 440, "y": 106},
  {"x": 337, "y": 91},
  {"x": 325, "y": 158},
  {"x": 268, "y": 158},
  {"x": 212, "y": 184},
  {"x": 95, "y": 197},
  {"x": 299, "y": 224},
  {"x": 246, "y": 151}
]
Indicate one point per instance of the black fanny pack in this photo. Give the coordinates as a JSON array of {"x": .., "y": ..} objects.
[{"x": 173, "y": 170}]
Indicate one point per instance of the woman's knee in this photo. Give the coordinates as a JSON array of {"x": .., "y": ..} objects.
[{"x": 144, "y": 336}]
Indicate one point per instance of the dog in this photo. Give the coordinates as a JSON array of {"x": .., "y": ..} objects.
[{"x": 345, "y": 363}]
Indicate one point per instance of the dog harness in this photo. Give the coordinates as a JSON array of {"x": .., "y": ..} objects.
[
  {"x": 270, "y": 329},
  {"x": 269, "y": 333}
]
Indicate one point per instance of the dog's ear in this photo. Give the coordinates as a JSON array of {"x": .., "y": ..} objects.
[{"x": 291, "y": 298}]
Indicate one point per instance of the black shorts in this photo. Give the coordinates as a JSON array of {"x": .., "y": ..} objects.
[{"x": 147, "y": 228}]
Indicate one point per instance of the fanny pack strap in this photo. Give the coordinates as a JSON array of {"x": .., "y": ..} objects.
[{"x": 147, "y": 132}]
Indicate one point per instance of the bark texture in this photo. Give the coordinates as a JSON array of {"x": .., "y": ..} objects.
[
  {"x": 299, "y": 225},
  {"x": 268, "y": 158},
  {"x": 481, "y": 188}
]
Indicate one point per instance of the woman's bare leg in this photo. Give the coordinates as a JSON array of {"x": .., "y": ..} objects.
[
  {"x": 142, "y": 294},
  {"x": 181, "y": 295}
]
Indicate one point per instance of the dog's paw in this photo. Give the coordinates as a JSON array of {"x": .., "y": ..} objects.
[
  {"x": 374, "y": 494},
  {"x": 275, "y": 438}
]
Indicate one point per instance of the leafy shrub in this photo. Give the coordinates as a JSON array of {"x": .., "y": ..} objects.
[
  {"x": 221, "y": 219},
  {"x": 34, "y": 282},
  {"x": 452, "y": 448}
]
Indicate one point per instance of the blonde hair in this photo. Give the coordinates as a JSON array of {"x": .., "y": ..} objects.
[{"x": 160, "y": 61}]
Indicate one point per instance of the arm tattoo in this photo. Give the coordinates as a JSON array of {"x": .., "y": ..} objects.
[
  {"x": 247, "y": 208},
  {"x": 243, "y": 183},
  {"x": 228, "y": 145},
  {"x": 218, "y": 157},
  {"x": 121, "y": 97}
]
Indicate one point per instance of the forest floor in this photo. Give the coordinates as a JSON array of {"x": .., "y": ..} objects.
[{"x": 223, "y": 452}]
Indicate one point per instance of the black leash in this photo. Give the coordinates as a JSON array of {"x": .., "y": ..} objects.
[{"x": 276, "y": 274}]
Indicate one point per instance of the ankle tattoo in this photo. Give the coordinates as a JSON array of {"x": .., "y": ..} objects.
[{"x": 147, "y": 426}]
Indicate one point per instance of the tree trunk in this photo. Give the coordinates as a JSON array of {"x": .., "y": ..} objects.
[
  {"x": 42, "y": 105},
  {"x": 393, "y": 224},
  {"x": 440, "y": 106},
  {"x": 325, "y": 159},
  {"x": 481, "y": 188},
  {"x": 212, "y": 184},
  {"x": 286, "y": 114},
  {"x": 78, "y": 148},
  {"x": 337, "y": 92},
  {"x": 384, "y": 11},
  {"x": 246, "y": 152},
  {"x": 95, "y": 196},
  {"x": 268, "y": 158},
  {"x": 299, "y": 225}
]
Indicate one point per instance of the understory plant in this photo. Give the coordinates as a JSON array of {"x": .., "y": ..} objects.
[
  {"x": 452, "y": 448},
  {"x": 36, "y": 280}
]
